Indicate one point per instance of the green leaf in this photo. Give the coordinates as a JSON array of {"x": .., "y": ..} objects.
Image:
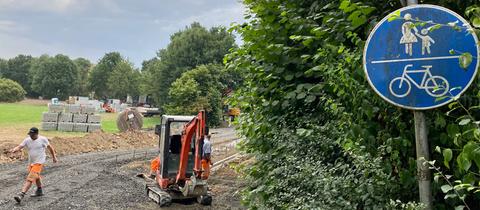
[
  {"x": 469, "y": 148},
  {"x": 476, "y": 22},
  {"x": 344, "y": 5},
  {"x": 310, "y": 98},
  {"x": 461, "y": 207},
  {"x": 301, "y": 95},
  {"x": 452, "y": 105},
  {"x": 437, "y": 99},
  {"x": 291, "y": 94},
  {"x": 463, "y": 162},
  {"x": 452, "y": 52},
  {"x": 452, "y": 130},
  {"x": 357, "y": 18},
  {"x": 465, "y": 121},
  {"x": 446, "y": 188},
  {"x": 289, "y": 77},
  {"x": 475, "y": 156},
  {"x": 465, "y": 60},
  {"x": 307, "y": 42},
  {"x": 451, "y": 195},
  {"x": 447, "y": 156},
  {"x": 435, "y": 27},
  {"x": 394, "y": 16},
  {"x": 437, "y": 149}
]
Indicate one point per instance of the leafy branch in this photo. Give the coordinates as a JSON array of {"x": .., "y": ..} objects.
[{"x": 449, "y": 186}]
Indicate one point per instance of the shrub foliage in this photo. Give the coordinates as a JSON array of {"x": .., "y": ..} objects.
[{"x": 10, "y": 91}]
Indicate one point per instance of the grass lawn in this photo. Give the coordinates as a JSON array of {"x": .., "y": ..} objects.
[{"x": 17, "y": 118}]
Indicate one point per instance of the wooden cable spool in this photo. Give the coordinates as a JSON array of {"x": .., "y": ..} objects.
[{"x": 129, "y": 119}]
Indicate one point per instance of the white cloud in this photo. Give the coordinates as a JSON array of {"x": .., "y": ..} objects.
[
  {"x": 56, "y": 6},
  {"x": 8, "y": 26},
  {"x": 12, "y": 45},
  {"x": 218, "y": 16},
  {"x": 44, "y": 5}
]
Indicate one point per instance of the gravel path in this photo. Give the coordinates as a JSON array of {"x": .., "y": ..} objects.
[
  {"x": 88, "y": 181},
  {"x": 103, "y": 180}
]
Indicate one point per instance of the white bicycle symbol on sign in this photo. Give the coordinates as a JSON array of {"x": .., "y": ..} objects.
[{"x": 435, "y": 86}]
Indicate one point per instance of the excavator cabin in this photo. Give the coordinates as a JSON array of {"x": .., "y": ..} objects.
[{"x": 179, "y": 175}]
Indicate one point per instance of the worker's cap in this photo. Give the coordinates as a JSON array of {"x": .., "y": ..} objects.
[{"x": 33, "y": 130}]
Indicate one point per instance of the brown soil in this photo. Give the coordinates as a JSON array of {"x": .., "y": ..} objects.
[
  {"x": 34, "y": 102},
  {"x": 100, "y": 141},
  {"x": 97, "y": 141},
  {"x": 226, "y": 185}
]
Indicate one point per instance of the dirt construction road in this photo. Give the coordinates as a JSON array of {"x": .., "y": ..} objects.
[{"x": 103, "y": 180}]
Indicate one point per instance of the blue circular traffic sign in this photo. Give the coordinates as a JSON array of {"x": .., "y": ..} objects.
[{"x": 421, "y": 57}]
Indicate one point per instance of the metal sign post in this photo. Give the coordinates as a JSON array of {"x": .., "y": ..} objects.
[
  {"x": 423, "y": 153},
  {"x": 411, "y": 60}
]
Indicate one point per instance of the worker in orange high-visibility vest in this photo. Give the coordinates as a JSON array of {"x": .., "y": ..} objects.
[
  {"x": 154, "y": 166},
  {"x": 206, "y": 156},
  {"x": 36, "y": 146}
]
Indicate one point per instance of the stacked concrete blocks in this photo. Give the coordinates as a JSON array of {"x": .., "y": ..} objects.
[
  {"x": 80, "y": 127},
  {"x": 94, "y": 119},
  {"x": 55, "y": 108},
  {"x": 49, "y": 117},
  {"x": 65, "y": 126},
  {"x": 49, "y": 126},
  {"x": 73, "y": 108},
  {"x": 80, "y": 118},
  {"x": 71, "y": 117},
  {"x": 94, "y": 127},
  {"x": 50, "y": 120},
  {"x": 88, "y": 110},
  {"x": 65, "y": 117}
]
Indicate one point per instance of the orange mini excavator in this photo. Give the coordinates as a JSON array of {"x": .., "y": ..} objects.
[{"x": 179, "y": 175}]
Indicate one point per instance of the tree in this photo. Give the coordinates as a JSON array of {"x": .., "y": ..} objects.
[
  {"x": 17, "y": 69},
  {"x": 147, "y": 76},
  {"x": 84, "y": 66},
  {"x": 198, "y": 89},
  {"x": 188, "y": 49},
  {"x": 3, "y": 66},
  {"x": 54, "y": 76},
  {"x": 123, "y": 81},
  {"x": 10, "y": 91},
  {"x": 97, "y": 80}
]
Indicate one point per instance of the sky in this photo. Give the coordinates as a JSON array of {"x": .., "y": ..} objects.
[{"x": 90, "y": 28}]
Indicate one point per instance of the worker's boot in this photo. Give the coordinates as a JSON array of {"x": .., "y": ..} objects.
[
  {"x": 19, "y": 197},
  {"x": 38, "y": 192}
]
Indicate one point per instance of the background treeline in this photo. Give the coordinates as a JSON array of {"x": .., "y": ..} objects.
[
  {"x": 60, "y": 76},
  {"x": 186, "y": 76},
  {"x": 321, "y": 137},
  {"x": 189, "y": 75}
]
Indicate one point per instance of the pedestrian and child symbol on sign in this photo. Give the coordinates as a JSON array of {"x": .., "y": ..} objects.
[
  {"x": 435, "y": 86},
  {"x": 410, "y": 37},
  {"x": 413, "y": 57}
]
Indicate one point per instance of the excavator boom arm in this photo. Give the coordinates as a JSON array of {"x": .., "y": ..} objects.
[{"x": 195, "y": 128}]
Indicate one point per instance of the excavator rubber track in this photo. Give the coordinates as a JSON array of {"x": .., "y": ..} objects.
[{"x": 159, "y": 196}]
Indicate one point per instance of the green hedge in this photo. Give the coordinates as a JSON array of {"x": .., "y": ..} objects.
[{"x": 10, "y": 91}]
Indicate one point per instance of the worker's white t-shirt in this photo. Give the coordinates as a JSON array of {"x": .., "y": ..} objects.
[
  {"x": 207, "y": 146},
  {"x": 36, "y": 149}
]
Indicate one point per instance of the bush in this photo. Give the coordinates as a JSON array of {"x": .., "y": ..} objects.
[
  {"x": 11, "y": 91},
  {"x": 321, "y": 138}
]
